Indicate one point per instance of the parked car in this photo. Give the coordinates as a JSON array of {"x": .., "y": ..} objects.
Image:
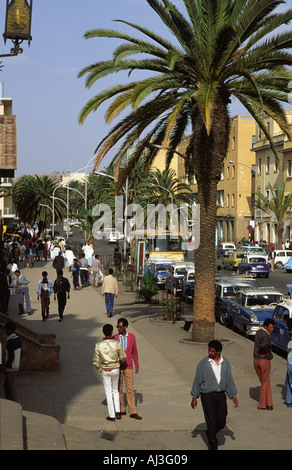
[
  {"x": 282, "y": 257},
  {"x": 189, "y": 285},
  {"x": 281, "y": 336},
  {"x": 159, "y": 270},
  {"x": 175, "y": 277},
  {"x": 254, "y": 264},
  {"x": 252, "y": 250},
  {"x": 225, "y": 290},
  {"x": 288, "y": 266},
  {"x": 232, "y": 260},
  {"x": 224, "y": 249},
  {"x": 251, "y": 307}
]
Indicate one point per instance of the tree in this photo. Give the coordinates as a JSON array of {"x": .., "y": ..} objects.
[
  {"x": 163, "y": 187},
  {"x": 278, "y": 207},
  {"x": 32, "y": 196},
  {"x": 218, "y": 49}
]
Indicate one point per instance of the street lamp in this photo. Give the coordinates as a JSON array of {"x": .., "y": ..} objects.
[{"x": 17, "y": 24}]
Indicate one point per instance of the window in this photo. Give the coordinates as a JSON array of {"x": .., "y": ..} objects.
[
  {"x": 276, "y": 166},
  {"x": 267, "y": 164},
  {"x": 220, "y": 198},
  {"x": 260, "y": 166},
  {"x": 289, "y": 168},
  {"x": 233, "y": 200}
]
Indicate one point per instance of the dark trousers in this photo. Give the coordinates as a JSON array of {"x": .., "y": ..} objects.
[
  {"x": 215, "y": 412},
  {"x": 8, "y": 386},
  {"x": 45, "y": 303},
  {"x": 62, "y": 300}
]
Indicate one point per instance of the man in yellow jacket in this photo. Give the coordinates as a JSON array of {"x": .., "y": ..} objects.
[
  {"x": 109, "y": 290},
  {"x": 108, "y": 355}
]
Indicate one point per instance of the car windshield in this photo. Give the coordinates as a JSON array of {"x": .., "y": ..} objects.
[
  {"x": 162, "y": 268},
  {"x": 261, "y": 300},
  {"x": 180, "y": 272},
  {"x": 256, "y": 259},
  {"x": 191, "y": 276},
  {"x": 230, "y": 291}
]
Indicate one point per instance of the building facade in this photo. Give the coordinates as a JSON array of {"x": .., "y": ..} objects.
[{"x": 270, "y": 174}]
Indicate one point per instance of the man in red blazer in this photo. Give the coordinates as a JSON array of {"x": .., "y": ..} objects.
[{"x": 128, "y": 342}]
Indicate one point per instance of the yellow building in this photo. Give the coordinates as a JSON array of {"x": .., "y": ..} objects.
[
  {"x": 271, "y": 173},
  {"x": 236, "y": 189}
]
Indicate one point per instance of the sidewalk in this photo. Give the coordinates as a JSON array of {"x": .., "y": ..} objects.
[{"x": 75, "y": 395}]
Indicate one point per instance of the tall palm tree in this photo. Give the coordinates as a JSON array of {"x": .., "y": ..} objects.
[
  {"x": 218, "y": 49},
  {"x": 32, "y": 196},
  {"x": 278, "y": 207}
]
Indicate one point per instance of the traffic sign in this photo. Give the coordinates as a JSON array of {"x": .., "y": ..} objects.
[{"x": 249, "y": 228}]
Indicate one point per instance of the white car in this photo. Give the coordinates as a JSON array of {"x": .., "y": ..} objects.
[
  {"x": 282, "y": 257},
  {"x": 113, "y": 237}
]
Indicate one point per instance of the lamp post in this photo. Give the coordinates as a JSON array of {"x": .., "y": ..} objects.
[
  {"x": 17, "y": 24},
  {"x": 261, "y": 188}
]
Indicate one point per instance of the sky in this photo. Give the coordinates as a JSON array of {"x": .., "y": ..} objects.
[{"x": 42, "y": 82}]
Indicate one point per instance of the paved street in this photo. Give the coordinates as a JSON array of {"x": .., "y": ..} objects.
[{"x": 76, "y": 398}]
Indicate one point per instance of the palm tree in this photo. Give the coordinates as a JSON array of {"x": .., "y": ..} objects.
[
  {"x": 163, "y": 187},
  {"x": 32, "y": 196},
  {"x": 219, "y": 49},
  {"x": 278, "y": 207}
]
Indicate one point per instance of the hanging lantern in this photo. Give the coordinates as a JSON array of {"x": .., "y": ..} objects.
[{"x": 18, "y": 22}]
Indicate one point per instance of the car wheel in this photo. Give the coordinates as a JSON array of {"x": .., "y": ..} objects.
[
  {"x": 279, "y": 264},
  {"x": 222, "y": 319}
]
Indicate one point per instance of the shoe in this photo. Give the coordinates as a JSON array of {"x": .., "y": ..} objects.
[
  {"x": 270, "y": 408},
  {"x": 110, "y": 419},
  {"x": 262, "y": 408},
  {"x": 135, "y": 416},
  {"x": 60, "y": 319},
  {"x": 118, "y": 416},
  {"x": 287, "y": 403}
]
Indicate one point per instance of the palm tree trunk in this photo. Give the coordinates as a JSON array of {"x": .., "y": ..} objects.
[{"x": 209, "y": 152}]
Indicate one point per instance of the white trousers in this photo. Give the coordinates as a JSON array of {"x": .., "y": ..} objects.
[{"x": 110, "y": 381}]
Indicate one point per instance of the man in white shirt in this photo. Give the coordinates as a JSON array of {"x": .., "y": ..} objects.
[{"x": 22, "y": 282}]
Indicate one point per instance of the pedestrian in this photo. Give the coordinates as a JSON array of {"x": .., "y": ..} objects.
[
  {"x": 58, "y": 262},
  {"x": 62, "y": 292},
  {"x": 108, "y": 355},
  {"x": 4, "y": 291},
  {"x": 272, "y": 256},
  {"x": 22, "y": 282},
  {"x": 213, "y": 381},
  {"x": 288, "y": 379},
  {"x": 129, "y": 345},
  {"x": 75, "y": 274},
  {"x": 31, "y": 254},
  {"x": 84, "y": 277},
  {"x": 262, "y": 363},
  {"x": 11, "y": 362},
  {"x": 117, "y": 259},
  {"x": 109, "y": 290},
  {"x": 45, "y": 289},
  {"x": 96, "y": 270},
  {"x": 69, "y": 256}
]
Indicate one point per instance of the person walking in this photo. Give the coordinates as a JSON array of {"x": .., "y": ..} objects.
[
  {"x": 59, "y": 262},
  {"x": 262, "y": 363},
  {"x": 83, "y": 265},
  {"x": 110, "y": 290},
  {"x": 129, "y": 345},
  {"x": 108, "y": 355},
  {"x": 96, "y": 270},
  {"x": 45, "y": 289},
  {"x": 62, "y": 292},
  {"x": 75, "y": 274},
  {"x": 272, "y": 256},
  {"x": 11, "y": 362},
  {"x": 31, "y": 254},
  {"x": 288, "y": 379},
  {"x": 213, "y": 381},
  {"x": 22, "y": 282}
]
